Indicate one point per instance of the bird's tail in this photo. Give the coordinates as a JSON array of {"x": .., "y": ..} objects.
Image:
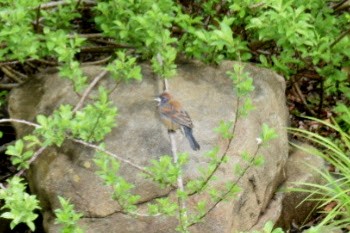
[{"x": 193, "y": 143}]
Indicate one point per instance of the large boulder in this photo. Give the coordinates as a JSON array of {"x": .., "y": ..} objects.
[
  {"x": 288, "y": 208},
  {"x": 207, "y": 94}
]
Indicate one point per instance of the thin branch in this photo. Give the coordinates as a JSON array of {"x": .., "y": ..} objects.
[
  {"x": 142, "y": 169},
  {"x": 340, "y": 37},
  {"x": 98, "y": 62},
  {"x": 165, "y": 81},
  {"x": 102, "y": 39},
  {"x": 320, "y": 104},
  {"x": 233, "y": 185},
  {"x": 15, "y": 72},
  {"x": 38, "y": 152},
  {"x": 78, "y": 3},
  {"x": 4, "y": 146},
  {"x": 37, "y": 20},
  {"x": 83, "y": 143},
  {"x": 257, "y": 5},
  {"x": 99, "y": 49},
  {"x": 14, "y": 62},
  {"x": 183, "y": 218},
  {"x": 223, "y": 156},
  {"x": 217, "y": 10},
  {"x": 87, "y": 35},
  {"x": 8, "y": 85},
  {"x": 6, "y": 120},
  {"x": 32, "y": 159},
  {"x": 89, "y": 89},
  {"x": 182, "y": 204},
  {"x": 49, "y": 5},
  {"x": 51, "y": 63},
  {"x": 302, "y": 98},
  {"x": 10, "y": 74},
  {"x": 340, "y": 5}
]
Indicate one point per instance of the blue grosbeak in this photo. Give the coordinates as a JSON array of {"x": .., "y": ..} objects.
[{"x": 175, "y": 117}]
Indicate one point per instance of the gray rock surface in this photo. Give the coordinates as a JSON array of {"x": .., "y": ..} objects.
[
  {"x": 301, "y": 168},
  {"x": 287, "y": 207},
  {"x": 207, "y": 95}
]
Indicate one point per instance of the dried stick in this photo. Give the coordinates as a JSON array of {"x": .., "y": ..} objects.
[
  {"x": 49, "y": 5},
  {"x": 32, "y": 159},
  {"x": 182, "y": 204},
  {"x": 15, "y": 72},
  {"x": 80, "y": 142},
  {"x": 88, "y": 90},
  {"x": 301, "y": 96},
  {"x": 182, "y": 211},
  {"x": 6, "y": 120},
  {"x": 165, "y": 81},
  {"x": 98, "y": 62},
  {"x": 340, "y": 37},
  {"x": 143, "y": 170},
  {"x": 8, "y": 85},
  {"x": 10, "y": 74}
]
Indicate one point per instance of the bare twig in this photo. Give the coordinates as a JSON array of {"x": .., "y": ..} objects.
[
  {"x": 231, "y": 188},
  {"x": 263, "y": 52},
  {"x": 32, "y": 159},
  {"x": 4, "y": 146},
  {"x": 29, "y": 63},
  {"x": 142, "y": 169},
  {"x": 165, "y": 81},
  {"x": 183, "y": 218},
  {"x": 49, "y": 5},
  {"x": 257, "y": 5},
  {"x": 19, "y": 74},
  {"x": 78, "y": 3},
  {"x": 302, "y": 98},
  {"x": 37, "y": 20},
  {"x": 340, "y": 5},
  {"x": 4, "y": 63},
  {"x": 320, "y": 104},
  {"x": 105, "y": 40},
  {"x": 223, "y": 156},
  {"x": 98, "y": 49},
  {"x": 11, "y": 75},
  {"x": 8, "y": 85},
  {"x": 340, "y": 37},
  {"x": 87, "y": 36},
  {"x": 99, "y": 62},
  {"x": 182, "y": 204},
  {"x": 80, "y": 142},
  {"x": 6, "y": 120},
  {"x": 88, "y": 90},
  {"x": 51, "y": 63},
  {"x": 217, "y": 10},
  {"x": 14, "y": 62}
]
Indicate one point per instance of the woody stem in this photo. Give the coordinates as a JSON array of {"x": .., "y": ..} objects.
[{"x": 181, "y": 199}]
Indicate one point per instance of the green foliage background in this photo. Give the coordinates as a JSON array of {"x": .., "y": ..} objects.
[{"x": 293, "y": 37}]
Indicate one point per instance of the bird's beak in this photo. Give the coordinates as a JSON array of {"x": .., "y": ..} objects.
[{"x": 157, "y": 99}]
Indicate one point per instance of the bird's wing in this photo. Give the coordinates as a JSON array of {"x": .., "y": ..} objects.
[{"x": 174, "y": 111}]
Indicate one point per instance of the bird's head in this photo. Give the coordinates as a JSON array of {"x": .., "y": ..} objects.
[{"x": 163, "y": 98}]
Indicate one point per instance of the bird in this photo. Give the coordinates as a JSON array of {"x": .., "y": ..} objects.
[{"x": 175, "y": 117}]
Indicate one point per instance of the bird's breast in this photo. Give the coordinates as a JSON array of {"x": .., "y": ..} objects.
[{"x": 171, "y": 125}]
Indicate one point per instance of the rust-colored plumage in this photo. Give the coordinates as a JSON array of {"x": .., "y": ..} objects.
[{"x": 174, "y": 116}]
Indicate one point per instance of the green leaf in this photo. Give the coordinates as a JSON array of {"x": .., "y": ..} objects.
[
  {"x": 224, "y": 129},
  {"x": 18, "y": 206},
  {"x": 267, "y": 133},
  {"x": 67, "y": 217}
]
